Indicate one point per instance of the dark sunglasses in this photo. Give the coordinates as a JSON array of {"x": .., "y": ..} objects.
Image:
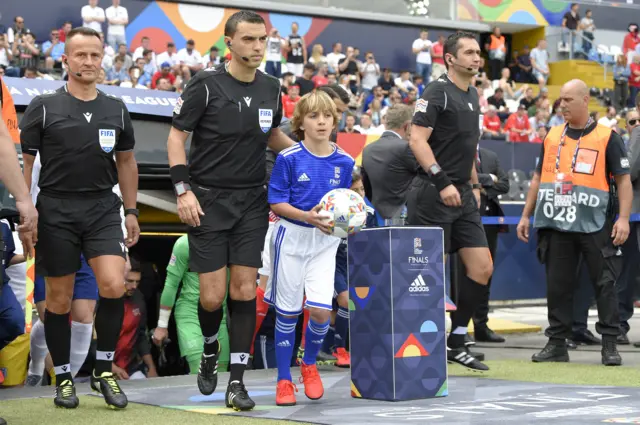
[{"x": 633, "y": 121}]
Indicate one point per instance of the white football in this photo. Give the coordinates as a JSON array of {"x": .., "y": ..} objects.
[{"x": 345, "y": 210}]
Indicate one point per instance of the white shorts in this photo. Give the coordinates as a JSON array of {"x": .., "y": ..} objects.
[
  {"x": 265, "y": 270},
  {"x": 303, "y": 263},
  {"x": 295, "y": 68}
]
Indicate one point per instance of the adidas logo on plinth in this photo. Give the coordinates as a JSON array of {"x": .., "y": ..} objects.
[{"x": 418, "y": 285}]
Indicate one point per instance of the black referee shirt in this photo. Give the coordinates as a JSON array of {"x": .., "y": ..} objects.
[
  {"x": 77, "y": 141},
  {"x": 231, "y": 123},
  {"x": 454, "y": 116}
]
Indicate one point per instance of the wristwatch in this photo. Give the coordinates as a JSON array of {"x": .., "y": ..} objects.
[
  {"x": 133, "y": 211},
  {"x": 434, "y": 169},
  {"x": 476, "y": 186},
  {"x": 181, "y": 188}
]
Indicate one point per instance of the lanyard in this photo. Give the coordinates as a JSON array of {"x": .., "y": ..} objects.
[{"x": 575, "y": 153}]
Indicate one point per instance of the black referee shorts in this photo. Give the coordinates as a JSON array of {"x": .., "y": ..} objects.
[
  {"x": 232, "y": 230},
  {"x": 462, "y": 225},
  {"x": 69, "y": 227}
]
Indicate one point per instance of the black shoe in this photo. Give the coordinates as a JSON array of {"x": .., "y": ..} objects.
[
  {"x": 208, "y": 374},
  {"x": 552, "y": 352},
  {"x": 323, "y": 359},
  {"x": 66, "y": 395},
  {"x": 107, "y": 385},
  {"x": 487, "y": 335},
  {"x": 610, "y": 355},
  {"x": 238, "y": 398},
  {"x": 3, "y": 422},
  {"x": 586, "y": 338},
  {"x": 571, "y": 345},
  {"x": 468, "y": 340},
  {"x": 623, "y": 339},
  {"x": 461, "y": 356}
]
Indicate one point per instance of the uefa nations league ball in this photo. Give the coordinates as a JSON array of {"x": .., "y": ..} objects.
[{"x": 345, "y": 211}]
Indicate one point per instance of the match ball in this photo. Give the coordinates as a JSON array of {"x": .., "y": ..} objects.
[{"x": 345, "y": 210}]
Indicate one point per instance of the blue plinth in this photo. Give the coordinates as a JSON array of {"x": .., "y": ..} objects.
[{"x": 397, "y": 313}]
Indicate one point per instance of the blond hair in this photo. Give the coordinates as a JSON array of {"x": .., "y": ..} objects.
[{"x": 316, "y": 101}]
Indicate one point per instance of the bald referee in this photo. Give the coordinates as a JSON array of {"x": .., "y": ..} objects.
[
  {"x": 85, "y": 139},
  {"x": 233, "y": 111}
]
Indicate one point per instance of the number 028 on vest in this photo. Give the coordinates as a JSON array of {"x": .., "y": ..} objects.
[{"x": 574, "y": 186}]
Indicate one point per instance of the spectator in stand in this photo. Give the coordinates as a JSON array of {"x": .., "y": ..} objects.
[
  {"x": 394, "y": 99},
  {"x": 109, "y": 53},
  {"x": 411, "y": 98},
  {"x": 17, "y": 30},
  {"x": 275, "y": 46},
  {"x": 528, "y": 100},
  {"x": 482, "y": 101},
  {"x": 557, "y": 118},
  {"x": 332, "y": 78},
  {"x": 149, "y": 67},
  {"x": 492, "y": 126},
  {"x": 170, "y": 56},
  {"x": 317, "y": 55},
  {"x": 497, "y": 100},
  {"x": 539, "y": 135},
  {"x": 595, "y": 115},
  {"x": 375, "y": 112},
  {"x": 404, "y": 84},
  {"x": 621, "y": 74},
  {"x": 366, "y": 126},
  {"x": 634, "y": 80},
  {"x": 525, "y": 69},
  {"x": 164, "y": 72},
  {"x": 538, "y": 120},
  {"x": 118, "y": 18},
  {"x": 569, "y": 25},
  {"x": 630, "y": 42},
  {"x": 53, "y": 50},
  {"x": 349, "y": 66},
  {"x": 370, "y": 71},
  {"x": 422, "y": 49},
  {"x": 92, "y": 16},
  {"x": 610, "y": 120},
  {"x": 212, "y": 58},
  {"x": 376, "y": 93},
  {"x": 497, "y": 51},
  {"x": 334, "y": 58},
  {"x": 26, "y": 52},
  {"x": 134, "y": 75},
  {"x": 64, "y": 30},
  {"x": 6, "y": 58},
  {"x": 127, "y": 61},
  {"x": 145, "y": 77},
  {"x": 437, "y": 58},
  {"x": 350, "y": 124},
  {"x": 190, "y": 58},
  {"x": 386, "y": 82},
  {"x": 304, "y": 82},
  {"x": 145, "y": 44},
  {"x": 288, "y": 79},
  {"x": 419, "y": 83},
  {"x": 518, "y": 126},
  {"x": 289, "y": 101},
  {"x": 588, "y": 28},
  {"x": 118, "y": 73},
  {"x": 540, "y": 62},
  {"x": 320, "y": 79},
  {"x": 163, "y": 84},
  {"x": 31, "y": 73},
  {"x": 296, "y": 51},
  {"x": 508, "y": 86}
]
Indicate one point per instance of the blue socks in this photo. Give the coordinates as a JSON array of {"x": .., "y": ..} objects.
[
  {"x": 285, "y": 339},
  {"x": 342, "y": 327},
  {"x": 313, "y": 340}
]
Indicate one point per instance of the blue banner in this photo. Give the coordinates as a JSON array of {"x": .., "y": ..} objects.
[{"x": 138, "y": 101}]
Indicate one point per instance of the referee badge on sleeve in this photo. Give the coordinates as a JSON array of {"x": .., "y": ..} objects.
[
  {"x": 107, "y": 140},
  {"x": 421, "y": 106},
  {"x": 265, "y": 118}
]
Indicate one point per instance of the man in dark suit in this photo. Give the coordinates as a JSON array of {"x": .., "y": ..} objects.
[
  {"x": 494, "y": 181},
  {"x": 388, "y": 166}
]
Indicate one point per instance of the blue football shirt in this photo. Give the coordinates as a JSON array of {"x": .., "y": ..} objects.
[{"x": 301, "y": 179}]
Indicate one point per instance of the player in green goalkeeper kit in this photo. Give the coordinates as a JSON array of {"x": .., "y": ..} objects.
[{"x": 186, "y": 310}]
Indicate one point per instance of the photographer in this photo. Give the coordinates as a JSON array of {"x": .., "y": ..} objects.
[{"x": 273, "y": 57}]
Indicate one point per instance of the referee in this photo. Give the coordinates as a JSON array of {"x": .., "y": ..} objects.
[
  {"x": 233, "y": 111},
  {"x": 85, "y": 140},
  {"x": 444, "y": 139}
]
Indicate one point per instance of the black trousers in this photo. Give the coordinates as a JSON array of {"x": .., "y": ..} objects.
[
  {"x": 481, "y": 316},
  {"x": 560, "y": 253}
]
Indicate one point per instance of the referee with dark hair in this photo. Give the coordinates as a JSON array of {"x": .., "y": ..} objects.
[
  {"x": 86, "y": 140},
  {"x": 233, "y": 111},
  {"x": 444, "y": 140}
]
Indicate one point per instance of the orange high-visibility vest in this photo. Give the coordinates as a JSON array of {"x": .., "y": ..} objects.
[
  {"x": 497, "y": 43},
  {"x": 587, "y": 210},
  {"x": 9, "y": 113}
]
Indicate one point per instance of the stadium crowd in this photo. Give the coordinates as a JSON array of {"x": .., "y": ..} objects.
[{"x": 505, "y": 88}]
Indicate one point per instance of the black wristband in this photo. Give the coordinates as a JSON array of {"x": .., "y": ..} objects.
[
  {"x": 440, "y": 180},
  {"x": 179, "y": 173}
]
